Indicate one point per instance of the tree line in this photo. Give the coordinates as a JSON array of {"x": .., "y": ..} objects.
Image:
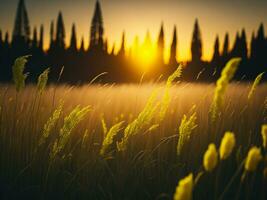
[{"x": 82, "y": 65}]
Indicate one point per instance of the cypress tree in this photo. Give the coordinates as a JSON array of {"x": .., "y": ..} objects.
[
  {"x": 226, "y": 45},
  {"x": 34, "y": 40},
  {"x": 253, "y": 46},
  {"x": 73, "y": 40},
  {"x": 173, "y": 53},
  {"x": 106, "y": 45},
  {"x": 113, "y": 49},
  {"x": 6, "y": 42},
  {"x": 82, "y": 48},
  {"x": 216, "y": 52},
  {"x": 22, "y": 26},
  {"x": 160, "y": 45},
  {"x": 52, "y": 38},
  {"x": 41, "y": 38},
  {"x": 97, "y": 29},
  {"x": 236, "y": 48},
  {"x": 196, "y": 45},
  {"x": 243, "y": 45},
  {"x": 122, "y": 49},
  {"x": 260, "y": 34},
  {"x": 60, "y": 35}
]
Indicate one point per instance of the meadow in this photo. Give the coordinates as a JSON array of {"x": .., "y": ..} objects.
[{"x": 139, "y": 141}]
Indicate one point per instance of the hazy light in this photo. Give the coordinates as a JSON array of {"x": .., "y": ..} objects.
[{"x": 144, "y": 56}]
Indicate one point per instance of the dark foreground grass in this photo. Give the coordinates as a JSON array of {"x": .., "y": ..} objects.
[{"x": 149, "y": 168}]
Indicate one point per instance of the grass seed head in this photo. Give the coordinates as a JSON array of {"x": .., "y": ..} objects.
[
  {"x": 42, "y": 80},
  {"x": 50, "y": 124},
  {"x": 253, "y": 158},
  {"x": 70, "y": 122},
  {"x": 254, "y": 86},
  {"x": 264, "y": 135},
  {"x": 221, "y": 86},
  {"x": 109, "y": 139},
  {"x": 185, "y": 129},
  {"x": 184, "y": 189},
  {"x": 18, "y": 72},
  {"x": 210, "y": 159},
  {"x": 227, "y": 145}
]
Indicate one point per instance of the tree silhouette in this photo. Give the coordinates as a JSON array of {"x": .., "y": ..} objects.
[
  {"x": 173, "y": 60},
  {"x": 6, "y": 42},
  {"x": 41, "y": 38},
  {"x": 196, "y": 45},
  {"x": 122, "y": 49},
  {"x": 253, "y": 46},
  {"x": 261, "y": 34},
  {"x": 225, "y": 51},
  {"x": 260, "y": 44},
  {"x": 97, "y": 29},
  {"x": 35, "y": 39},
  {"x": 113, "y": 50},
  {"x": 22, "y": 27},
  {"x": 243, "y": 45},
  {"x": 73, "y": 40},
  {"x": 216, "y": 52},
  {"x": 258, "y": 51},
  {"x": 106, "y": 45},
  {"x": 236, "y": 48},
  {"x": 160, "y": 45},
  {"x": 96, "y": 59},
  {"x": 60, "y": 35},
  {"x": 82, "y": 48},
  {"x": 52, "y": 37}
]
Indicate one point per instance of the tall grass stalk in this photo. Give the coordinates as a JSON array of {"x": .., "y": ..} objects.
[
  {"x": 142, "y": 120},
  {"x": 109, "y": 138},
  {"x": 187, "y": 125},
  {"x": 50, "y": 124},
  {"x": 42, "y": 80},
  {"x": 254, "y": 86},
  {"x": 166, "y": 99},
  {"x": 70, "y": 122},
  {"x": 18, "y": 72},
  {"x": 221, "y": 86}
]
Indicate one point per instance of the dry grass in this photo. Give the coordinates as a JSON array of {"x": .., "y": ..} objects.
[{"x": 149, "y": 169}]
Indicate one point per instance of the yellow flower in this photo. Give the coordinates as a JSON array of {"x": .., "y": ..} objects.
[
  {"x": 210, "y": 158},
  {"x": 253, "y": 158},
  {"x": 184, "y": 189},
  {"x": 227, "y": 145},
  {"x": 264, "y": 135}
]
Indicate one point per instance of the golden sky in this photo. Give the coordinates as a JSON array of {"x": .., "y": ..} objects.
[{"x": 136, "y": 17}]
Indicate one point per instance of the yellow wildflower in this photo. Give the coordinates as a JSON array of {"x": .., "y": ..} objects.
[
  {"x": 227, "y": 145},
  {"x": 184, "y": 189},
  {"x": 253, "y": 158},
  {"x": 210, "y": 158},
  {"x": 264, "y": 135}
]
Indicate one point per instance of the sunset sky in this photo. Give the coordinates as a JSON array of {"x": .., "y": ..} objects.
[{"x": 138, "y": 16}]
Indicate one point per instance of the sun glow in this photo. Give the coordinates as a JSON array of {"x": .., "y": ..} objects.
[{"x": 144, "y": 56}]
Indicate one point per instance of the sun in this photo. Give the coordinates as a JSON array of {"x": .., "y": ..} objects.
[{"x": 144, "y": 56}]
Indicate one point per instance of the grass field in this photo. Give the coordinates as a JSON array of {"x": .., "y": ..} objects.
[{"x": 125, "y": 146}]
